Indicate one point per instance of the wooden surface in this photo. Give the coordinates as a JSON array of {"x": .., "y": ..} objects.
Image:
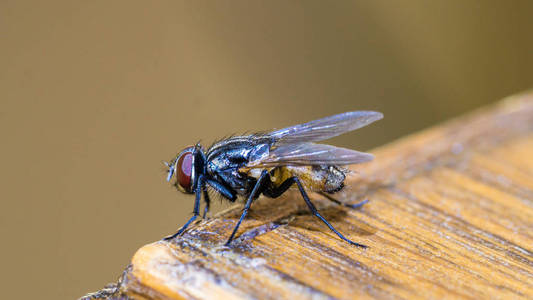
[{"x": 450, "y": 216}]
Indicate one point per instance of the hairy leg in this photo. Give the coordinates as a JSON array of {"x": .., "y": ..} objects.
[{"x": 255, "y": 192}]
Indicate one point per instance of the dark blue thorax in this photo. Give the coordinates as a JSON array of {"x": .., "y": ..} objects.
[{"x": 224, "y": 159}]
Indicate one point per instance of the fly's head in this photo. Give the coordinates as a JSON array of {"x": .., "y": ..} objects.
[{"x": 182, "y": 168}]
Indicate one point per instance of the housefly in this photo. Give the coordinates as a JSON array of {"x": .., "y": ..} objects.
[{"x": 269, "y": 164}]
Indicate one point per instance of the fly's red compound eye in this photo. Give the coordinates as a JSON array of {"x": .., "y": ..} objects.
[{"x": 184, "y": 170}]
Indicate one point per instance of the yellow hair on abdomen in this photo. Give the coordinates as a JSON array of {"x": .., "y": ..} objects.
[{"x": 310, "y": 179}]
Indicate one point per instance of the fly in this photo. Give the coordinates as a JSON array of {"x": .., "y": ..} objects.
[{"x": 270, "y": 164}]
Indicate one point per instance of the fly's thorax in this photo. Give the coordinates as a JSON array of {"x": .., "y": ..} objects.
[{"x": 316, "y": 178}]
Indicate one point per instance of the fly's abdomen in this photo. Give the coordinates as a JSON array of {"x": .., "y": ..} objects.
[
  {"x": 328, "y": 179},
  {"x": 335, "y": 179}
]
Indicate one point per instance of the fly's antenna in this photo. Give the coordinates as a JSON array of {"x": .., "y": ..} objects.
[
  {"x": 199, "y": 145},
  {"x": 170, "y": 167}
]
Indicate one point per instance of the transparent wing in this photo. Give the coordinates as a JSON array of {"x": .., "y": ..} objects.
[
  {"x": 306, "y": 154},
  {"x": 325, "y": 128}
]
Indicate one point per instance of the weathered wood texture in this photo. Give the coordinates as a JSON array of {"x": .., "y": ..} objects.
[{"x": 450, "y": 216}]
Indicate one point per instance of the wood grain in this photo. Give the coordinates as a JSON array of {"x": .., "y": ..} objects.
[{"x": 450, "y": 216}]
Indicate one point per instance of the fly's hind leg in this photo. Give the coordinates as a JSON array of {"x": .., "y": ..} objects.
[
  {"x": 276, "y": 192},
  {"x": 354, "y": 206}
]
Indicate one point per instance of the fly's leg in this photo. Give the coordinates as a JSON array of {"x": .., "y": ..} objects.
[
  {"x": 286, "y": 185},
  {"x": 278, "y": 191},
  {"x": 315, "y": 212},
  {"x": 219, "y": 188},
  {"x": 196, "y": 210},
  {"x": 354, "y": 206},
  {"x": 255, "y": 192},
  {"x": 207, "y": 202},
  {"x": 357, "y": 205}
]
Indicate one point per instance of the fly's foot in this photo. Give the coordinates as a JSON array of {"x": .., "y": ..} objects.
[
  {"x": 357, "y": 205},
  {"x": 357, "y": 244},
  {"x": 170, "y": 237}
]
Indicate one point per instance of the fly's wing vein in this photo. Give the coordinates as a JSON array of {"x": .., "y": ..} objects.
[
  {"x": 324, "y": 128},
  {"x": 308, "y": 154}
]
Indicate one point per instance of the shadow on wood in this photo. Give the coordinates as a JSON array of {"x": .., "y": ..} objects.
[{"x": 450, "y": 216}]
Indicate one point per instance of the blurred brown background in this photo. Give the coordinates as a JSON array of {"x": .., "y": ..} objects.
[{"x": 94, "y": 94}]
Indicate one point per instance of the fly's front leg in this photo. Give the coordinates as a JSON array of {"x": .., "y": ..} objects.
[
  {"x": 207, "y": 202},
  {"x": 219, "y": 188},
  {"x": 255, "y": 191},
  {"x": 196, "y": 210}
]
